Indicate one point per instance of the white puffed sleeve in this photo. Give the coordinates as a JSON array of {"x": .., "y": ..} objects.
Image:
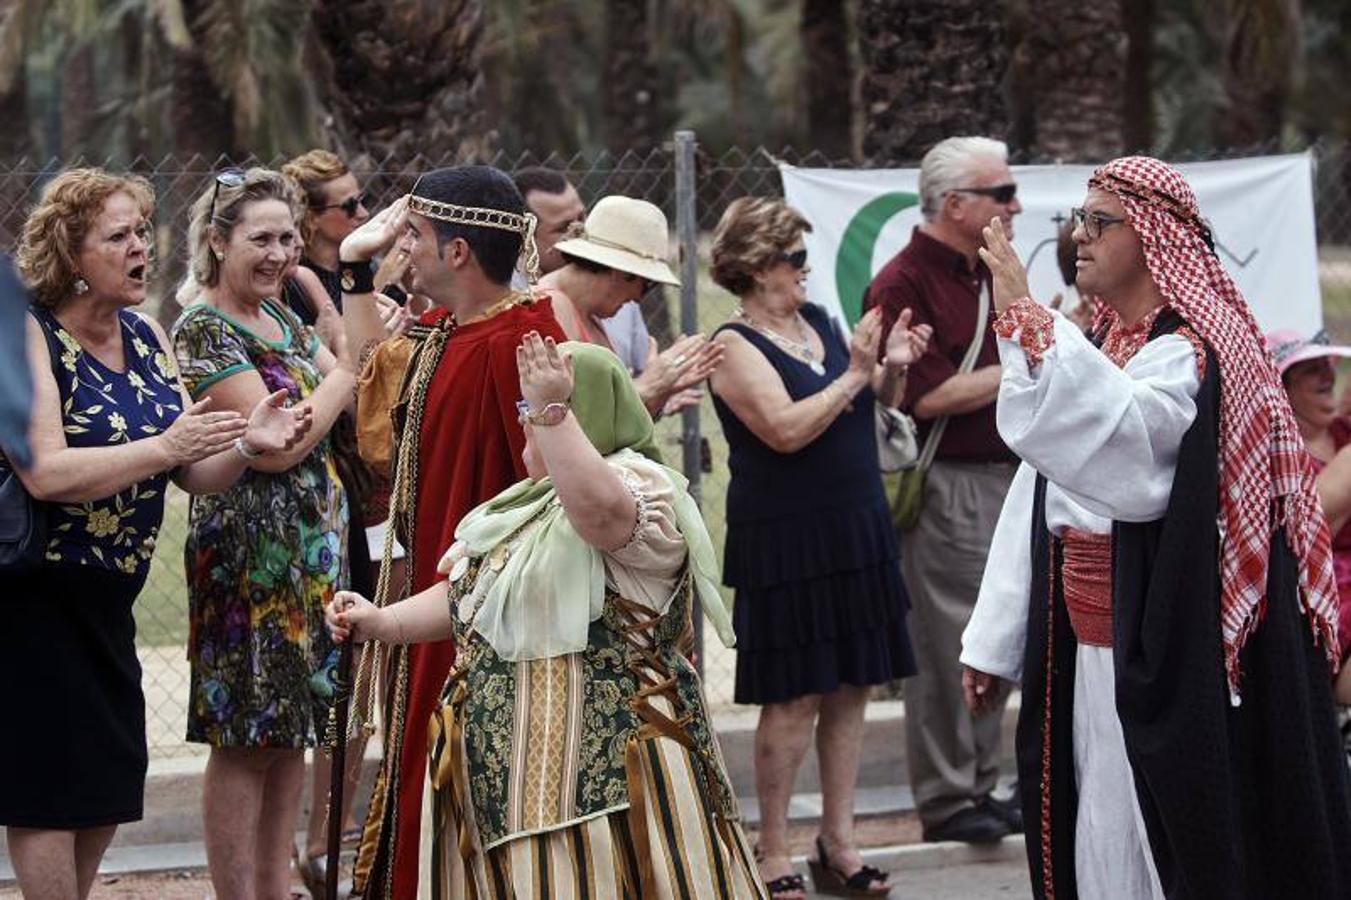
[
  {"x": 997, "y": 631},
  {"x": 646, "y": 567},
  {"x": 1108, "y": 437}
]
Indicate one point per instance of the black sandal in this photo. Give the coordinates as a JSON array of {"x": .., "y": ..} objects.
[
  {"x": 830, "y": 879},
  {"x": 784, "y": 884}
]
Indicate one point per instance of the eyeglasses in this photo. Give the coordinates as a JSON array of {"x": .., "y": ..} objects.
[
  {"x": 231, "y": 178},
  {"x": 348, "y": 206},
  {"x": 1093, "y": 222},
  {"x": 1000, "y": 193},
  {"x": 795, "y": 258}
]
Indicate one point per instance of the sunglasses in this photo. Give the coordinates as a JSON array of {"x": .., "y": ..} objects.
[
  {"x": 795, "y": 258},
  {"x": 231, "y": 178},
  {"x": 348, "y": 206},
  {"x": 644, "y": 285},
  {"x": 1000, "y": 193}
]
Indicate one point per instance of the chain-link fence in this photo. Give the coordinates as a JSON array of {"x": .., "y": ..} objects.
[{"x": 161, "y": 611}]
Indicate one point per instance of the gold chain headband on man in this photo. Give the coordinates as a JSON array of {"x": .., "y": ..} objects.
[{"x": 477, "y": 216}]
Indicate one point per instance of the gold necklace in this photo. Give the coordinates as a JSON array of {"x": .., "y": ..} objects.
[
  {"x": 801, "y": 349},
  {"x": 506, "y": 303}
]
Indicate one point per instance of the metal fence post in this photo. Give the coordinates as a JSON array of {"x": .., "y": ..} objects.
[{"x": 687, "y": 234}]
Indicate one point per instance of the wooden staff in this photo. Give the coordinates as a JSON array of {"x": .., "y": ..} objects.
[{"x": 337, "y": 743}]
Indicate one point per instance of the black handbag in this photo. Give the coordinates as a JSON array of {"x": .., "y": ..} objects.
[{"x": 23, "y": 525}]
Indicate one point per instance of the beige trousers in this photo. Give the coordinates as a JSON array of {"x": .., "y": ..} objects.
[{"x": 954, "y": 756}]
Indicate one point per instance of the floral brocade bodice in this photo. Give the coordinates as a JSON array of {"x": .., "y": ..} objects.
[
  {"x": 102, "y": 407},
  {"x": 546, "y": 742}
]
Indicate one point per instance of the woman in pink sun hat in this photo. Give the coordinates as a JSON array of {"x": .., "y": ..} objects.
[{"x": 1306, "y": 367}]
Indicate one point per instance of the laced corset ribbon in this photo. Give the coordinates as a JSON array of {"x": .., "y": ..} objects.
[{"x": 1263, "y": 480}]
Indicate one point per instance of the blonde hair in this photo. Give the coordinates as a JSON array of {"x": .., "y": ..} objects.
[
  {"x": 49, "y": 244},
  {"x": 259, "y": 184},
  {"x": 311, "y": 171},
  {"x": 751, "y": 234}
]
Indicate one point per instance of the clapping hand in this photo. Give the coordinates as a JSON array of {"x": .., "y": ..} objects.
[
  {"x": 197, "y": 433},
  {"x": 687, "y": 362},
  {"x": 905, "y": 345},
  {"x": 863, "y": 342},
  {"x": 377, "y": 234},
  {"x": 546, "y": 372},
  {"x": 274, "y": 426},
  {"x": 393, "y": 316},
  {"x": 1006, "y": 269}
]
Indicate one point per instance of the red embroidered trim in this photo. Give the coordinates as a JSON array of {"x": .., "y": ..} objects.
[
  {"x": 1123, "y": 342},
  {"x": 1047, "y": 872},
  {"x": 1030, "y": 324},
  {"x": 1198, "y": 348}
]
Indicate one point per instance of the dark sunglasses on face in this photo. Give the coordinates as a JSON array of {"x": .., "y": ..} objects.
[
  {"x": 1000, "y": 193},
  {"x": 1093, "y": 222},
  {"x": 795, "y": 258},
  {"x": 231, "y": 178},
  {"x": 348, "y": 206}
]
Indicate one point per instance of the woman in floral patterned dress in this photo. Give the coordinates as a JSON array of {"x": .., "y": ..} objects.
[
  {"x": 573, "y": 755},
  {"x": 110, "y": 426},
  {"x": 264, "y": 557}
]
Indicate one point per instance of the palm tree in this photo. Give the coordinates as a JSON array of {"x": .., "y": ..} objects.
[
  {"x": 828, "y": 75},
  {"x": 1261, "y": 41},
  {"x": 1069, "y": 78},
  {"x": 931, "y": 69},
  {"x": 403, "y": 78},
  {"x": 631, "y": 113}
]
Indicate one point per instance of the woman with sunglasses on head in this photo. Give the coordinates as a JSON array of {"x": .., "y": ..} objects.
[
  {"x": 111, "y": 426},
  {"x": 263, "y": 557},
  {"x": 820, "y": 611},
  {"x": 615, "y": 257}
]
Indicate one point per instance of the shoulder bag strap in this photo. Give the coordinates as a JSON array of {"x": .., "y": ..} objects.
[{"x": 926, "y": 456}]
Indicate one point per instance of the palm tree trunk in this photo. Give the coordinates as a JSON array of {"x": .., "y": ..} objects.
[
  {"x": 931, "y": 69},
  {"x": 1073, "y": 58},
  {"x": 405, "y": 78},
  {"x": 1262, "y": 44},
  {"x": 630, "y": 112},
  {"x": 1138, "y": 128},
  {"x": 828, "y": 75}
]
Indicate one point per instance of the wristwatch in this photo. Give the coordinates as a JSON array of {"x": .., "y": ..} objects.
[{"x": 552, "y": 414}]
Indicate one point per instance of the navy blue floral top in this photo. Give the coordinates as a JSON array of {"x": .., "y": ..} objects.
[{"x": 102, "y": 407}]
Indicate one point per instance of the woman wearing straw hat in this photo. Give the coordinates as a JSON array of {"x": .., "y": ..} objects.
[{"x": 615, "y": 257}]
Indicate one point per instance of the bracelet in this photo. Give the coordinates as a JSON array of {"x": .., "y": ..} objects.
[
  {"x": 357, "y": 277},
  {"x": 245, "y": 450}
]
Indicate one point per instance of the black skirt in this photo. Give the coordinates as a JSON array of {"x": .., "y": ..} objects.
[{"x": 74, "y": 755}]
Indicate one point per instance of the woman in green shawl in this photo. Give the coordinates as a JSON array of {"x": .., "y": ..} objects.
[{"x": 572, "y": 754}]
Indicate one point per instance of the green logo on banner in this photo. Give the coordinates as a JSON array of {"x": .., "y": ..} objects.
[{"x": 854, "y": 262}]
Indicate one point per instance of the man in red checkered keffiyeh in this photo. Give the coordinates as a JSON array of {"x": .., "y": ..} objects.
[
  {"x": 1161, "y": 554},
  {"x": 1264, "y": 482}
]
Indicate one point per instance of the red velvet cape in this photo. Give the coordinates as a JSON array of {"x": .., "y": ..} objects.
[{"x": 470, "y": 451}]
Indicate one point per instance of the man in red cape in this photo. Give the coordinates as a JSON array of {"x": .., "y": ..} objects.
[{"x": 458, "y": 441}]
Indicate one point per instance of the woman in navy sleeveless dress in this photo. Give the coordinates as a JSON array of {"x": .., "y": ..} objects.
[
  {"x": 108, "y": 431},
  {"x": 811, "y": 552}
]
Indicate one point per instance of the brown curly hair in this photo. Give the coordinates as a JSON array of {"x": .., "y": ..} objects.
[
  {"x": 49, "y": 245},
  {"x": 311, "y": 171},
  {"x": 751, "y": 234}
]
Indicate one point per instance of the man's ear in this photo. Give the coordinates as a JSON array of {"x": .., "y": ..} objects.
[{"x": 457, "y": 253}]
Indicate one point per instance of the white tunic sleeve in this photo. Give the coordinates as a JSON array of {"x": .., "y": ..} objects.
[
  {"x": 994, "y": 636},
  {"x": 1108, "y": 437}
]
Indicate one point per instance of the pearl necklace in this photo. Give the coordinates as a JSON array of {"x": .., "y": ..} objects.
[{"x": 800, "y": 349}]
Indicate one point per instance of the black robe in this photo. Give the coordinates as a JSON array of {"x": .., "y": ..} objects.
[{"x": 1252, "y": 801}]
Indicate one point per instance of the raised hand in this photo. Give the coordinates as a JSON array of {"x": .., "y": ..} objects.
[
  {"x": 197, "y": 433},
  {"x": 905, "y": 345},
  {"x": 690, "y": 360},
  {"x": 352, "y": 617},
  {"x": 273, "y": 426},
  {"x": 377, "y": 234},
  {"x": 393, "y": 316},
  {"x": 863, "y": 343},
  {"x": 1006, "y": 269},
  {"x": 546, "y": 373}
]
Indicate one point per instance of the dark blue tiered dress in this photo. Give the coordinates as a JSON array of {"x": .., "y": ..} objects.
[{"x": 811, "y": 552}]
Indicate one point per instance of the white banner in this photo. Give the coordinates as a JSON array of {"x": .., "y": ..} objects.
[{"x": 1260, "y": 210}]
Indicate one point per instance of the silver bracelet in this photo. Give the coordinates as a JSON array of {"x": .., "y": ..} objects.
[{"x": 245, "y": 451}]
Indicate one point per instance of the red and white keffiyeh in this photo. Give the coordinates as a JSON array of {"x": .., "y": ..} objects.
[{"x": 1264, "y": 481}]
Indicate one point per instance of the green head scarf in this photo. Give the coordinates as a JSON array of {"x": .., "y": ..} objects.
[{"x": 552, "y": 586}]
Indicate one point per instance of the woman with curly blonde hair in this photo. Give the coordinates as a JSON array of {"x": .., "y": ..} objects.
[{"x": 111, "y": 426}]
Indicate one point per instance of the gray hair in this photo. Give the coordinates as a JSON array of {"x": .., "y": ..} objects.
[
  {"x": 947, "y": 166},
  {"x": 230, "y": 200}
]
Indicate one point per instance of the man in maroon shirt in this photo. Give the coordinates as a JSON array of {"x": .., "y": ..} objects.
[{"x": 954, "y": 757}]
